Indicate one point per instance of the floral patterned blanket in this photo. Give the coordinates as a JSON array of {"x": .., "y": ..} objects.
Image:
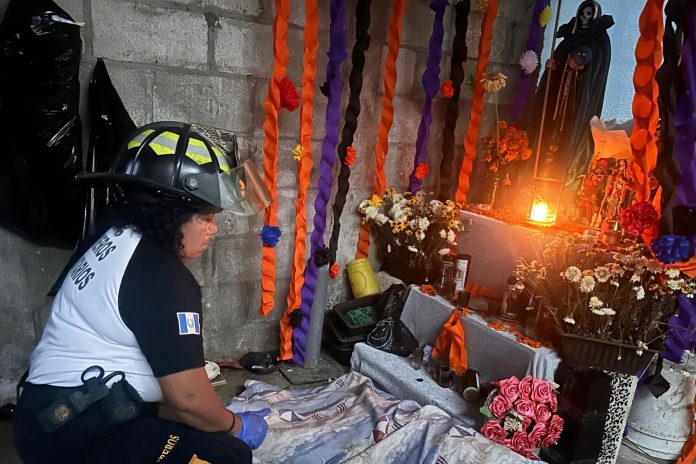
[{"x": 351, "y": 421}]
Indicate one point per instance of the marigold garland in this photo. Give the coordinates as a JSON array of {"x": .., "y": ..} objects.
[
  {"x": 304, "y": 169},
  {"x": 350, "y": 156},
  {"x": 334, "y": 270},
  {"x": 428, "y": 290},
  {"x": 289, "y": 98},
  {"x": 422, "y": 171},
  {"x": 484, "y": 53},
  {"x": 387, "y": 114},
  {"x": 271, "y": 105}
]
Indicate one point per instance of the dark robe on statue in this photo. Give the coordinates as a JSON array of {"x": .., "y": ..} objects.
[{"x": 576, "y": 95}]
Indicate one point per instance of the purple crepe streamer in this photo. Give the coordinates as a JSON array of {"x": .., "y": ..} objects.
[
  {"x": 684, "y": 115},
  {"x": 682, "y": 331},
  {"x": 525, "y": 83},
  {"x": 431, "y": 85},
  {"x": 337, "y": 54}
]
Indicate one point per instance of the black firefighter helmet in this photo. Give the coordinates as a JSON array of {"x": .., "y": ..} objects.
[{"x": 188, "y": 163}]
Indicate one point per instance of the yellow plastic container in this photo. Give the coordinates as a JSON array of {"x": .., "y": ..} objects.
[{"x": 363, "y": 281}]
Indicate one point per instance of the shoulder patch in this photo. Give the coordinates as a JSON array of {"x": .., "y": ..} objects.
[{"x": 189, "y": 323}]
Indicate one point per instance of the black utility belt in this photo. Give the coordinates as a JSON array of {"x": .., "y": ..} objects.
[{"x": 119, "y": 403}]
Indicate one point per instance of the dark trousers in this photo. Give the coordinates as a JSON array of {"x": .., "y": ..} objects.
[{"x": 147, "y": 439}]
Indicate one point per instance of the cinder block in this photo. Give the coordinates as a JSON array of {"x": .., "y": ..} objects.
[
  {"x": 244, "y": 48},
  {"x": 135, "y": 87},
  {"x": 517, "y": 41},
  {"x": 297, "y": 14},
  {"x": 74, "y": 8},
  {"x": 417, "y": 24},
  {"x": 516, "y": 10},
  {"x": 133, "y": 32},
  {"x": 236, "y": 259},
  {"x": 17, "y": 340},
  {"x": 229, "y": 306},
  {"x": 200, "y": 268},
  {"x": 217, "y": 101},
  {"x": 500, "y": 34},
  {"x": 399, "y": 165},
  {"x": 406, "y": 79},
  {"x": 407, "y": 117},
  {"x": 231, "y": 224},
  {"x": 252, "y": 8}
]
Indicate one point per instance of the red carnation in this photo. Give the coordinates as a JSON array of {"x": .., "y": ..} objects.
[
  {"x": 639, "y": 217},
  {"x": 289, "y": 98},
  {"x": 333, "y": 270},
  {"x": 350, "y": 156},
  {"x": 447, "y": 89},
  {"x": 422, "y": 171}
]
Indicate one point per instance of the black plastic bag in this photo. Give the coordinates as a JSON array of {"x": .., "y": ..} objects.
[
  {"x": 391, "y": 334},
  {"x": 40, "y": 49},
  {"x": 110, "y": 126}
]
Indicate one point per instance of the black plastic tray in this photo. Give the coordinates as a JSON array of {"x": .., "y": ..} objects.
[
  {"x": 336, "y": 332},
  {"x": 341, "y": 309},
  {"x": 341, "y": 355}
]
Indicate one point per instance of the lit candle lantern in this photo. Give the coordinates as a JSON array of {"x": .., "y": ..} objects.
[{"x": 540, "y": 214}]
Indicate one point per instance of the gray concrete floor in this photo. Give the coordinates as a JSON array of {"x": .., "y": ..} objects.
[{"x": 235, "y": 384}]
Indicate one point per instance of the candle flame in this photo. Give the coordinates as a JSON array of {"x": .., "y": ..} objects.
[{"x": 539, "y": 212}]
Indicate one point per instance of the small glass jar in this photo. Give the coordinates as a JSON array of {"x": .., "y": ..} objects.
[{"x": 445, "y": 377}]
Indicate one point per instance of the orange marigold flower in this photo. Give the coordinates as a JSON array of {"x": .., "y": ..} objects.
[
  {"x": 333, "y": 270},
  {"x": 428, "y": 290},
  {"x": 422, "y": 171},
  {"x": 350, "y": 156},
  {"x": 447, "y": 89}
]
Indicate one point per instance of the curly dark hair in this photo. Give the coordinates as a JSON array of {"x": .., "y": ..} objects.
[{"x": 160, "y": 222}]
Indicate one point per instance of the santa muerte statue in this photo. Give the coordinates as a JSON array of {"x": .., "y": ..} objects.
[{"x": 578, "y": 77}]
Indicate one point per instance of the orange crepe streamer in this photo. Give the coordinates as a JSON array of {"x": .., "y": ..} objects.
[
  {"x": 387, "y": 117},
  {"x": 452, "y": 339},
  {"x": 480, "y": 290},
  {"x": 472, "y": 132},
  {"x": 688, "y": 451},
  {"x": 646, "y": 112},
  {"x": 270, "y": 147},
  {"x": 304, "y": 169}
]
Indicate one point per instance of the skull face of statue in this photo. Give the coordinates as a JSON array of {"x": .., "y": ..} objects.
[{"x": 585, "y": 16}]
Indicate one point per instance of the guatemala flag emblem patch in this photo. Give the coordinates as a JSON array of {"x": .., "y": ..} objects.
[{"x": 189, "y": 323}]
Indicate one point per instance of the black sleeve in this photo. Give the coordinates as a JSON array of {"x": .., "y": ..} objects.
[{"x": 160, "y": 302}]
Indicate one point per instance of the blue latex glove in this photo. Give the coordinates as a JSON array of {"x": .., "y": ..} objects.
[{"x": 254, "y": 427}]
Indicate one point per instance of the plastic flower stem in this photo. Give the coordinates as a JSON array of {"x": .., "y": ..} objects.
[
  {"x": 386, "y": 116},
  {"x": 431, "y": 85},
  {"x": 484, "y": 53},
  {"x": 270, "y": 148},
  {"x": 337, "y": 54},
  {"x": 304, "y": 169},
  {"x": 355, "y": 80}
]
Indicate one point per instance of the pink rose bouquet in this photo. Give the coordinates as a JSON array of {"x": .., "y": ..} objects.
[{"x": 523, "y": 415}]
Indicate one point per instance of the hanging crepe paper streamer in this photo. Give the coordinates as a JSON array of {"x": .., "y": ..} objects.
[
  {"x": 685, "y": 114},
  {"x": 525, "y": 83},
  {"x": 447, "y": 89},
  {"x": 271, "y": 106},
  {"x": 345, "y": 150},
  {"x": 289, "y": 99},
  {"x": 431, "y": 85},
  {"x": 545, "y": 16},
  {"x": 350, "y": 156},
  {"x": 450, "y": 343},
  {"x": 304, "y": 169},
  {"x": 297, "y": 152},
  {"x": 459, "y": 52},
  {"x": 334, "y": 270},
  {"x": 645, "y": 103},
  {"x": 270, "y": 236},
  {"x": 386, "y": 117},
  {"x": 645, "y": 110},
  {"x": 484, "y": 53},
  {"x": 671, "y": 86},
  {"x": 337, "y": 54}
]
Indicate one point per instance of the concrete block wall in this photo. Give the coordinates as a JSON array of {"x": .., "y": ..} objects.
[{"x": 208, "y": 61}]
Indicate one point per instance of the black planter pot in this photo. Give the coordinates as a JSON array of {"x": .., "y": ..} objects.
[
  {"x": 582, "y": 352},
  {"x": 401, "y": 269}
]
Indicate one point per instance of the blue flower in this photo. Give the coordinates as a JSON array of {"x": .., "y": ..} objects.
[
  {"x": 270, "y": 236},
  {"x": 671, "y": 248}
]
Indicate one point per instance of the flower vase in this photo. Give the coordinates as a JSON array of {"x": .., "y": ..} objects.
[
  {"x": 408, "y": 271},
  {"x": 659, "y": 427},
  {"x": 583, "y": 352}
]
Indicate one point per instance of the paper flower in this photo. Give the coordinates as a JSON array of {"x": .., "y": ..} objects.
[
  {"x": 493, "y": 82},
  {"x": 529, "y": 61},
  {"x": 270, "y": 235},
  {"x": 350, "y": 155},
  {"x": 422, "y": 171},
  {"x": 545, "y": 16},
  {"x": 297, "y": 152},
  {"x": 447, "y": 89},
  {"x": 671, "y": 248},
  {"x": 333, "y": 270},
  {"x": 289, "y": 98},
  {"x": 639, "y": 217}
]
